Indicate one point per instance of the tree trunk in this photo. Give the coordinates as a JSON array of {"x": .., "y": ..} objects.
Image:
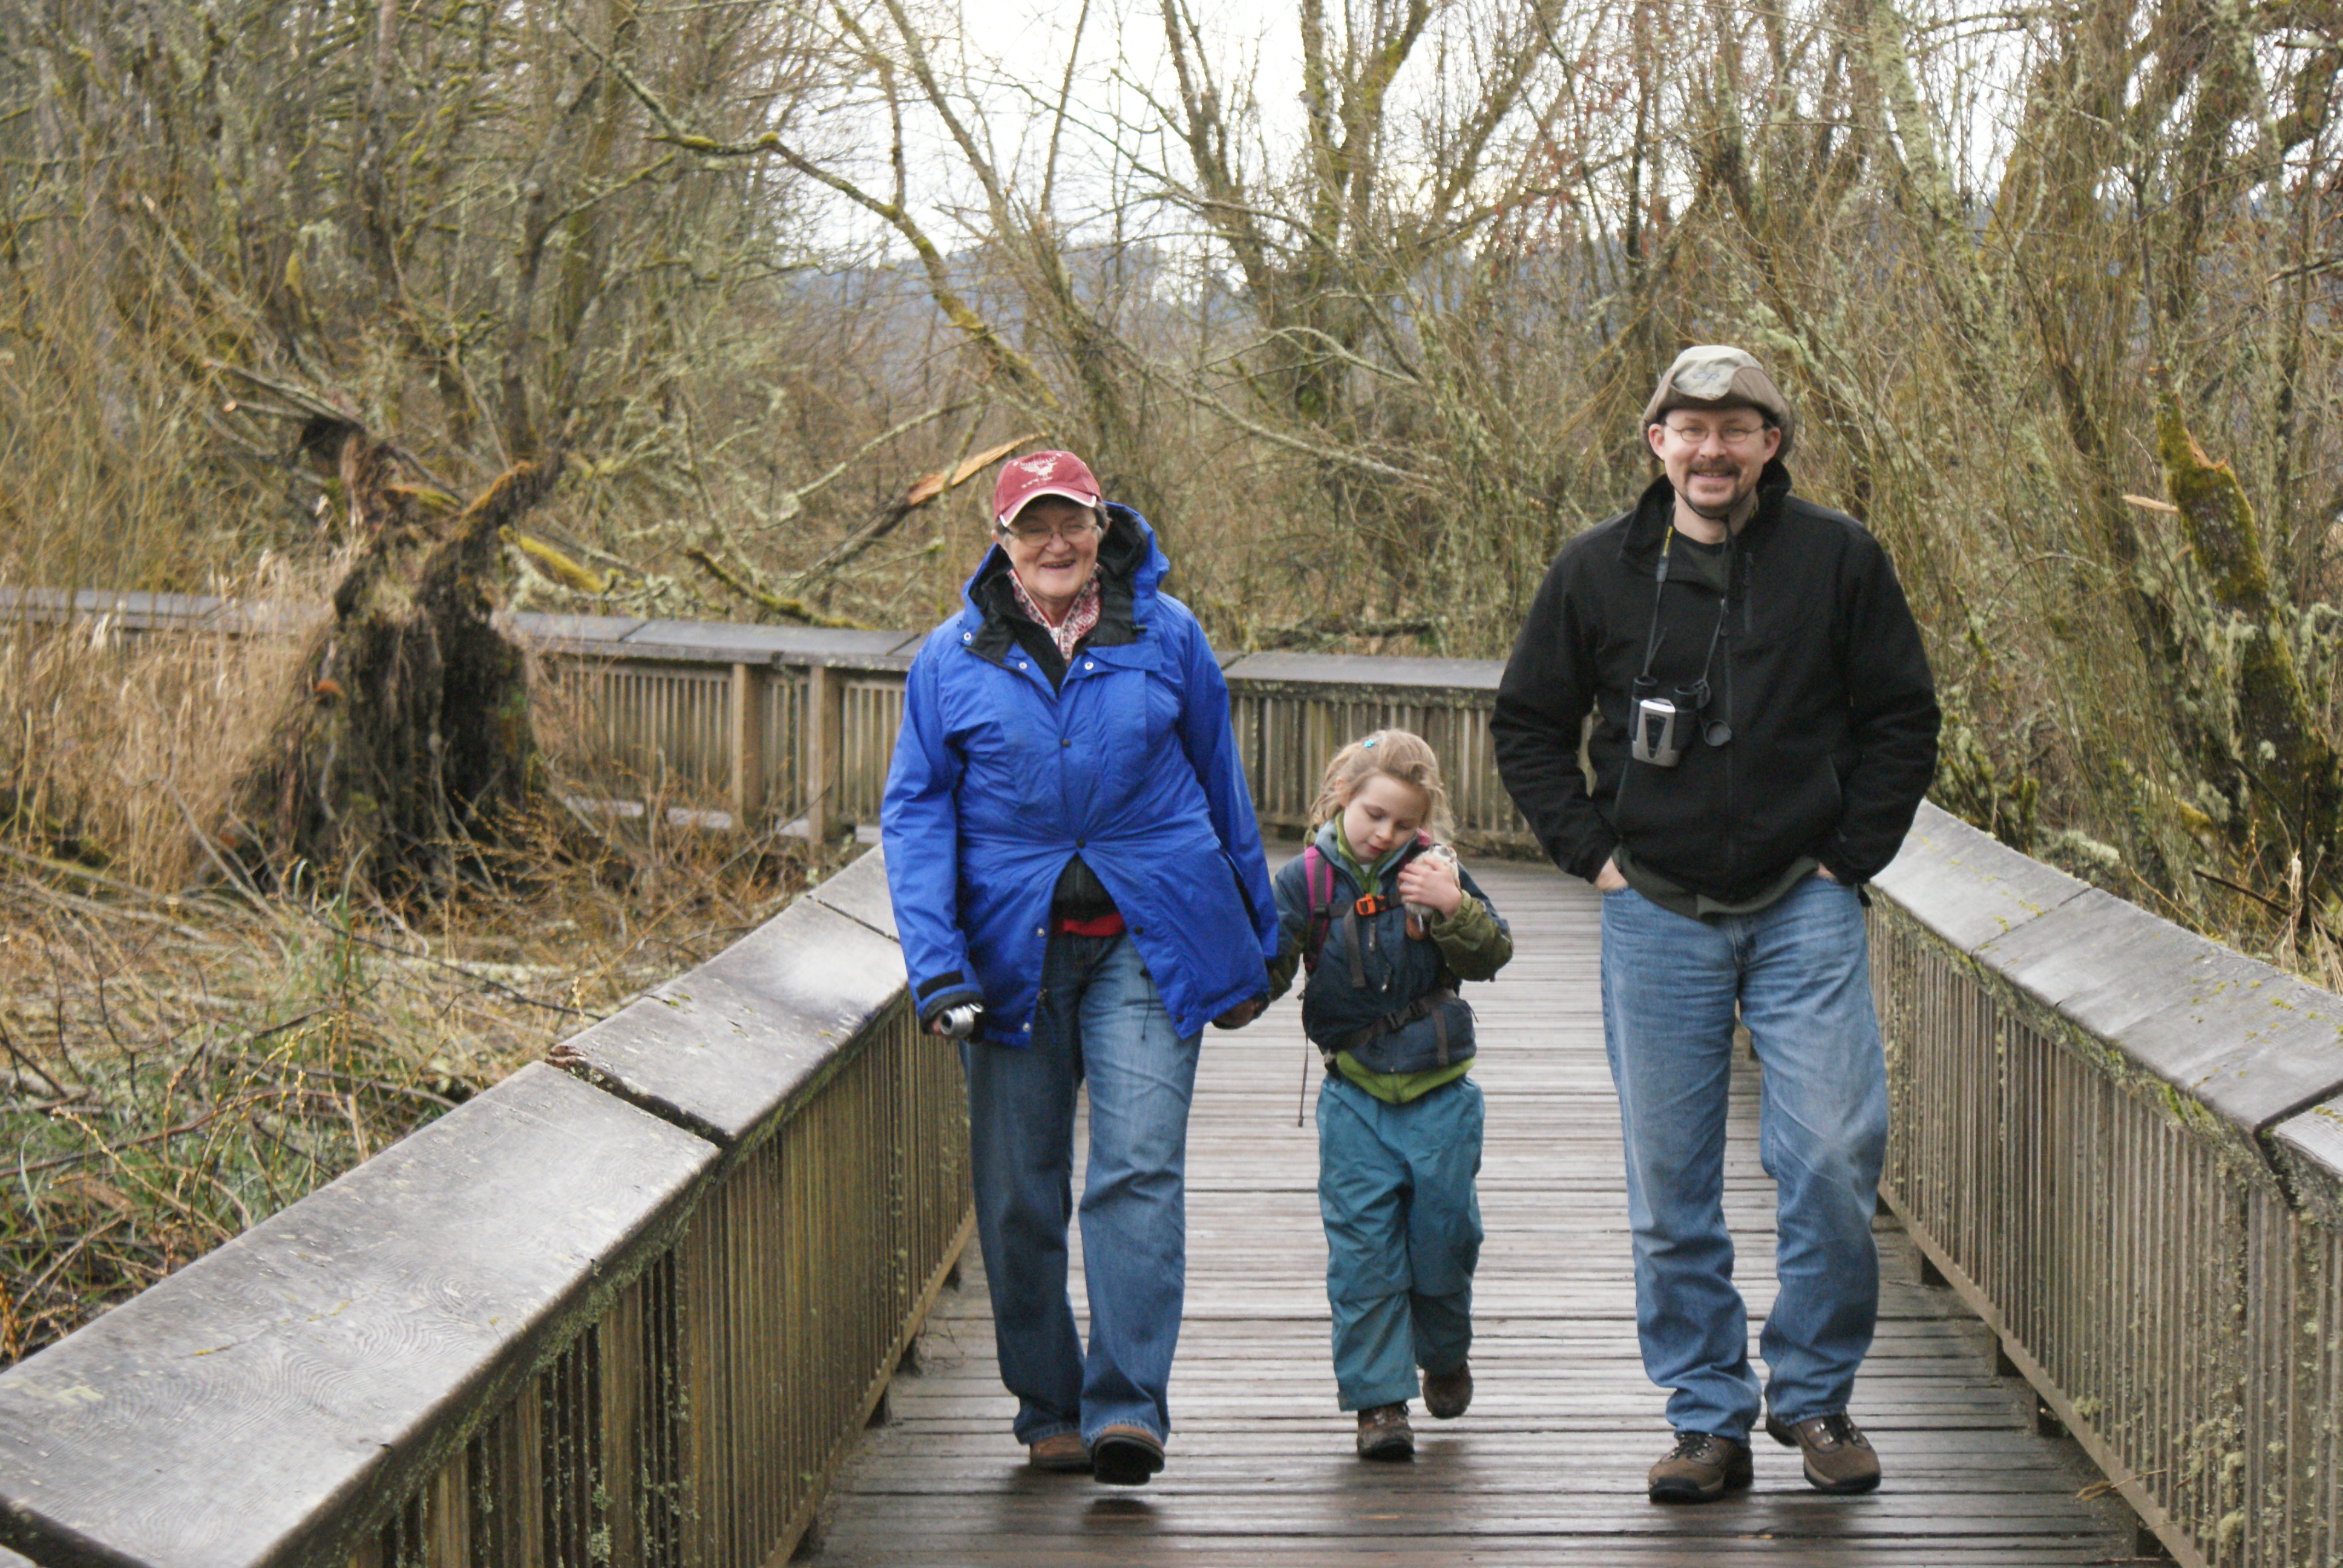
[
  {"x": 410, "y": 736},
  {"x": 2290, "y": 776}
]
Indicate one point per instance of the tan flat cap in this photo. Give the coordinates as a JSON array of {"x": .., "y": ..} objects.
[{"x": 1718, "y": 375}]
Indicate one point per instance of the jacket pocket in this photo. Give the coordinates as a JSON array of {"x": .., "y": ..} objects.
[
  {"x": 1794, "y": 821},
  {"x": 1441, "y": 1038}
]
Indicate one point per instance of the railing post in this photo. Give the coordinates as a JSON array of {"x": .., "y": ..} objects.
[
  {"x": 825, "y": 760},
  {"x": 748, "y": 705}
]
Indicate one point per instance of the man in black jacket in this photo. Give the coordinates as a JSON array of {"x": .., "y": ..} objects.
[{"x": 1762, "y": 728}]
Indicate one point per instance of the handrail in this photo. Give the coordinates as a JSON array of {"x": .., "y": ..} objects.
[
  {"x": 2121, "y": 1143},
  {"x": 632, "y": 1315},
  {"x": 794, "y": 725}
]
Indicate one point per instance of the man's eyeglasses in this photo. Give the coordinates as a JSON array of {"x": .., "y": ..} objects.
[
  {"x": 1038, "y": 534},
  {"x": 1733, "y": 435}
]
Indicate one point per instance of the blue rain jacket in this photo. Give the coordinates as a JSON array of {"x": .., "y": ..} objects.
[{"x": 998, "y": 781}]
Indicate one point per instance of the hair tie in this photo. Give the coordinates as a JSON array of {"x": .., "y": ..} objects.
[{"x": 1369, "y": 742}]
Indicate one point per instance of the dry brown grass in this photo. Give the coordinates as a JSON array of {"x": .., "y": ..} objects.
[
  {"x": 182, "y": 1054},
  {"x": 117, "y": 743}
]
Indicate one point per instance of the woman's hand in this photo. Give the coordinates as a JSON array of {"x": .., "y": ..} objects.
[
  {"x": 955, "y": 1023},
  {"x": 1432, "y": 883},
  {"x": 1243, "y": 1013},
  {"x": 1608, "y": 879}
]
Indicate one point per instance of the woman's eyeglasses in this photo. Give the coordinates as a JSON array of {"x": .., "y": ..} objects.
[{"x": 1037, "y": 534}]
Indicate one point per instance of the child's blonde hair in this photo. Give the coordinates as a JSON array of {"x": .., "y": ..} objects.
[{"x": 1396, "y": 753}]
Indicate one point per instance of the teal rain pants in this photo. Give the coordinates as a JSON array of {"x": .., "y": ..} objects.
[{"x": 1403, "y": 1234}]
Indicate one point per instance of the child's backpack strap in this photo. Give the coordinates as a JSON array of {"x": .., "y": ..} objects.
[{"x": 1318, "y": 882}]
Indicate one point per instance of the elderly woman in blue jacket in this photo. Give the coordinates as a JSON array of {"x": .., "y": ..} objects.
[{"x": 1078, "y": 877}]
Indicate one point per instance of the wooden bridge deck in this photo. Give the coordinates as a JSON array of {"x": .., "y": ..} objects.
[{"x": 1547, "y": 1468}]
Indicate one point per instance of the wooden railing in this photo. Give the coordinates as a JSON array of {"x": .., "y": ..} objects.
[
  {"x": 794, "y": 727},
  {"x": 632, "y": 1314},
  {"x": 2121, "y": 1143}
]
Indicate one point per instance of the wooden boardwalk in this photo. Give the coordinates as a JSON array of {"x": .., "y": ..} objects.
[{"x": 1547, "y": 1468}]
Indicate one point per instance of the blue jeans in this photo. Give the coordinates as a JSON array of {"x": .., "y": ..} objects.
[
  {"x": 1098, "y": 1019},
  {"x": 1403, "y": 1234},
  {"x": 1800, "y": 972}
]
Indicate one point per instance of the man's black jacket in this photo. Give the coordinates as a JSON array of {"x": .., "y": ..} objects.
[{"x": 1819, "y": 673}]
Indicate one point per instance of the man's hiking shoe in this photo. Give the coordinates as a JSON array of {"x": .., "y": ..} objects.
[
  {"x": 1062, "y": 1452},
  {"x": 1839, "y": 1458},
  {"x": 1700, "y": 1468},
  {"x": 1125, "y": 1455},
  {"x": 1384, "y": 1433},
  {"x": 1449, "y": 1394}
]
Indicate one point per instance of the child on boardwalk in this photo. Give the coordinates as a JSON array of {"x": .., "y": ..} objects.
[{"x": 1387, "y": 922}]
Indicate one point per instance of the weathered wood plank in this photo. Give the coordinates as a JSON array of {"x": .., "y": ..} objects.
[
  {"x": 725, "y": 1049},
  {"x": 1399, "y": 1550},
  {"x": 1548, "y": 1467},
  {"x": 2311, "y": 1149},
  {"x": 2253, "y": 1044},
  {"x": 1965, "y": 886},
  {"x": 1370, "y": 672},
  {"x": 722, "y": 642},
  {"x": 575, "y": 633},
  {"x": 860, "y": 893}
]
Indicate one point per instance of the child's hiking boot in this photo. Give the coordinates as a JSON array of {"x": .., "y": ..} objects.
[
  {"x": 1384, "y": 1433},
  {"x": 1700, "y": 1468},
  {"x": 1449, "y": 1394},
  {"x": 1839, "y": 1458}
]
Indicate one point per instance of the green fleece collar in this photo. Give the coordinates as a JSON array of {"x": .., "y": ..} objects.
[{"x": 1369, "y": 878}]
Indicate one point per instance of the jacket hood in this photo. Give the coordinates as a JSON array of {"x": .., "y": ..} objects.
[
  {"x": 1654, "y": 513},
  {"x": 1128, "y": 556}
]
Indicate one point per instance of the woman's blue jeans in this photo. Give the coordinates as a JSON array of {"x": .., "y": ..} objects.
[
  {"x": 1099, "y": 1019},
  {"x": 1800, "y": 973}
]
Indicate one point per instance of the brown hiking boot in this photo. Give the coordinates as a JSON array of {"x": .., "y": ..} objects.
[
  {"x": 1061, "y": 1451},
  {"x": 1384, "y": 1433},
  {"x": 1699, "y": 1469},
  {"x": 1838, "y": 1457},
  {"x": 1449, "y": 1394}
]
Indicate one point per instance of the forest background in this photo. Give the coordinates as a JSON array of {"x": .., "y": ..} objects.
[
  {"x": 1358, "y": 300},
  {"x": 1357, "y": 303}
]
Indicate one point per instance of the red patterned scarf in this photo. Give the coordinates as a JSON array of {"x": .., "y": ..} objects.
[{"x": 1079, "y": 623}]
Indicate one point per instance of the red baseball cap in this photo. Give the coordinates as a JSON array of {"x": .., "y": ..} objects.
[{"x": 1024, "y": 479}]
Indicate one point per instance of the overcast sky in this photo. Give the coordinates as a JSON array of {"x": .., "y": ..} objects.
[{"x": 1020, "y": 47}]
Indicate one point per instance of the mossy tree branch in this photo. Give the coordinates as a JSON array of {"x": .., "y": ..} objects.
[{"x": 2286, "y": 768}]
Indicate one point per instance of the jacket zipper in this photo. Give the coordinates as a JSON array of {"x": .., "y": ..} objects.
[{"x": 1732, "y": 841}]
